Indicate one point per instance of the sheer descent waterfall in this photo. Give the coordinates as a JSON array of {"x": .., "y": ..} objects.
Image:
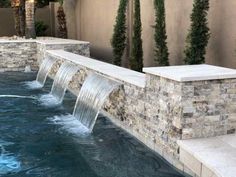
[
  {"x": 92, "y": 96},
  {"x": 44, "y": 70},
  {"x": 62, "y": 79}
]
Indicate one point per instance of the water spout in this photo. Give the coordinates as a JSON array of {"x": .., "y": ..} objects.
[
  {"x": 92, "y": 96},
  {"x": 44, "y": 70},
  {"x": 62, "y": 79}
]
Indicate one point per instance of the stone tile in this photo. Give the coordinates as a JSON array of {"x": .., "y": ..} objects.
[
  {"x": 116, "y": 72},
  {"x": 190, "y": 161},
  {"x": 186, "y": 73},
  {"x": 217, "y": 155},
  {"x": 229, "y": 139},
  {"x": 226, "y": 171},
  {"x": 206, "y": 172}
]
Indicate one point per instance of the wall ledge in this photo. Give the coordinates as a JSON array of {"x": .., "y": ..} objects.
[
  {"x": 188, "y": 73},
  {"x": 116, "y": 72}
]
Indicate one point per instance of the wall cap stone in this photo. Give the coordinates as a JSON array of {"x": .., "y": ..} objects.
[
  {"x": 43, "y": 40},
  {"x": 119, "y": 73},
  {"x": 186, "y": 73}
]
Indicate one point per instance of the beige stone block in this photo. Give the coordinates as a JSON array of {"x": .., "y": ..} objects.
[
  {"x": 206, "y": 172},
  {"x": 189, "y": 172},
  {"x": 232, "y": 117},
  {"x": 177, "y": 122},
  {"x": 190, "y": 161}
]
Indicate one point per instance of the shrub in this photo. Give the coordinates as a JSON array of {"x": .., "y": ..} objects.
[
  {"x": 40, "y": 28},
  {"x": 118, "y": 41},
  {"x": 199, "y": 35},
  {"x": 136, "y": 60},
  {"x": 161, "y": 50}
]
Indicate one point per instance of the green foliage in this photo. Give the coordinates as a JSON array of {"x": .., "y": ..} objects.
[
  {"x": 199, "y": 34},
  {"x": 40, "y": 3},
  {"x": 118, "y": 41},
  {"x": 5, "y": 3},
  {"x": 40, "y": 28},
  {"x": 61, "y": 2},
  {"x": 43, "y": 3},
  {"x": 136, "y": 60},
  {"x": 161, "y": 50}
]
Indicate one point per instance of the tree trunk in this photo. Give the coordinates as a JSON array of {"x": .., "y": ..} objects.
[
  {"x": 15, "y": 4},
  {"x": 62, "y": 28},
  {"x": 17, "y": 20},
  {"x": 30, "y": 19},
  {"x": 22, "y": 17}
]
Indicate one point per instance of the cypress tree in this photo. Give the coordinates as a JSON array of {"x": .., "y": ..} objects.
[
  {"x": 199, "y": 34},
  {"x": 161, "y": 50},
  {"x": 118, "y": 41},
  {"x": 136, "y": 60}
]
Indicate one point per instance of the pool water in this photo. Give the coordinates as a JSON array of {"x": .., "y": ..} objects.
[{"x": 45, "y": 141}]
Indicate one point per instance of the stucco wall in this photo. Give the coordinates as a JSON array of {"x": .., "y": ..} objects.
[
  {"x": 69, "y": 7},
  {"x": 95, "y": 24},
  {"x": 7, "y": 23},
  {"x": 95, "y": 20}
]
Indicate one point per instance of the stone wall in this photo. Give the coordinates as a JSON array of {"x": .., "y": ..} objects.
[
  {"x": 81, "y": 49},
  {"x": 208, "y": 108},
  {"x": 142, "y": 112},
  {"x": 165, "y": 110},
  {"x": 16, "y": 54}
]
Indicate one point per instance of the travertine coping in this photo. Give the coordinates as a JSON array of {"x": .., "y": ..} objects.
[
  {"x": 210, "y": 157},
  {"x": 187, "y": 73},
  {"x": 44, "y": 41},
  {"x": 116, "y": 72}
]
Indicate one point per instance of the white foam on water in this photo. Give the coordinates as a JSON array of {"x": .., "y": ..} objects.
[
  {"x": 33, "y": 85},
  {"x": 8, "y": 163},
  {"x": 70, "y": 124},
  {"x": 49, "y": 100},
  {"x": 18, "y": 96}
]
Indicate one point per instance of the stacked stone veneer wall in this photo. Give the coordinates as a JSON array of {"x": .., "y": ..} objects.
[
  {"x": 165, "y": 110},
  {"x": 82, "y": 49},
  {"x": 209, "y": 108},
  {"x": 16, "y": 55}
]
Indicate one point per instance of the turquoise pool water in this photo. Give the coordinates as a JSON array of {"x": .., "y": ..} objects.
[{"x": 45, "y": 141}]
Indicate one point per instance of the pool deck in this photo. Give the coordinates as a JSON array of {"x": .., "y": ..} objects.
[{"x": 210, "y": 157}]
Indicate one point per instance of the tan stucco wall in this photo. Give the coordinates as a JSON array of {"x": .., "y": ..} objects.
[
  {"x": 69, "y": 8},
  {"x": 7, "y": 20},
  {"x": 95, "y": 20}
]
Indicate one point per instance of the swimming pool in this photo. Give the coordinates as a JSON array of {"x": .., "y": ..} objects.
[{"x": 40, "y": 140}]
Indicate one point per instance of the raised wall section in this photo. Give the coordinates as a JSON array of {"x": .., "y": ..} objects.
[
  {"x": 15, "y": 55},
  {"x": 160, "y": 110}
]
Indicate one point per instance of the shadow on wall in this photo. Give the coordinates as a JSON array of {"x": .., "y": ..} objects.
[{"x": 101, "y": 53}]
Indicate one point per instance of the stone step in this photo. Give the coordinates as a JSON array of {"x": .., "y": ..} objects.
[{"x": 210, "y": 157}]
